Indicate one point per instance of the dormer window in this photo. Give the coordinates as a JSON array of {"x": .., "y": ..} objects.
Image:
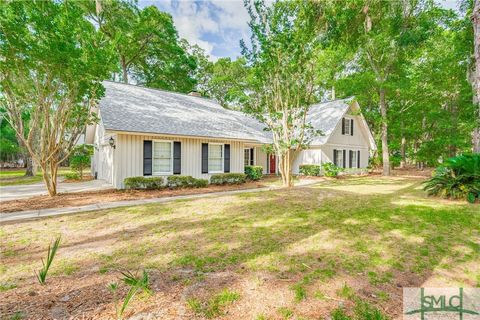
[{"x": 347, "y": 126}]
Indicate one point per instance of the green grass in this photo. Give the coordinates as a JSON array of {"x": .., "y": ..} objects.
[
  {"x": 215, "y": 305},
  {"x": 17, "y": 177},
  {"x": 345, "y": 239}
]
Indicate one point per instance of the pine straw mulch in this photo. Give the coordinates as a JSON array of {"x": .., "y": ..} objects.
[{"x": 75, "y": 199}]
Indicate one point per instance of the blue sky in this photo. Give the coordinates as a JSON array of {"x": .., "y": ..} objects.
[{"x": 217, "y": 26}]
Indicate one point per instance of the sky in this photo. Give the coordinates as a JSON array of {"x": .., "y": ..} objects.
[{"x": 217, "y": 26}]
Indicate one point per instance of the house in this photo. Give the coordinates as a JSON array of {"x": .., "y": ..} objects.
[{"x": 148, "y": 132}]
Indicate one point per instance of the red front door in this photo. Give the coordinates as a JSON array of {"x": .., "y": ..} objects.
[{"x": 273, "y": 164}]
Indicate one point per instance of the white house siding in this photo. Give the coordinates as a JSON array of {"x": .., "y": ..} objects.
[
  {"x": 261, "y": 159},
  {"x": 102, "y": 163},
  {"x": 324, "y": 153},
  {"x": 129, "y": 156}
]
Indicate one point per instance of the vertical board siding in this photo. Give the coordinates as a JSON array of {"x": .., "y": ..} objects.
[
  {"x": 129, "y": 156},
  {"x": 261, "y": 159}
]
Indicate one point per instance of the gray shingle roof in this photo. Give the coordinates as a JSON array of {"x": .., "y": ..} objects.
[
  {"x": 325, "y": 117},
  {"x": 137, "y": 109}
]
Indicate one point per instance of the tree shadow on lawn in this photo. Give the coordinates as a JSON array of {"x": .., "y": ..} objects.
[{"x": 314, "y": 239}]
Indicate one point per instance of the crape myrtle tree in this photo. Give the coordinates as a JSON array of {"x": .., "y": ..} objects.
[
  {"x": 475, "y": 16},
  {"x": 281, "y": 53},
  {"x": 52, "y": 61}
]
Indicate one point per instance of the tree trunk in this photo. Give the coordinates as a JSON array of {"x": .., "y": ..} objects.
[
  {"x": 403, "y": 160},
  {"x": 285, "y": 168},
  {"x": 30, "y": 172},
  {"x": 385, "y": 153},
  {"x": 476, "y": 76},
  {"x": 124, "y": 70},
  {"x": 49, "y": 173}
]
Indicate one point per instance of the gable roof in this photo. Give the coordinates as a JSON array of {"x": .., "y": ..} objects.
[
  {"x": 138, "y": 109},
  {"x": 133, "y": 108}
]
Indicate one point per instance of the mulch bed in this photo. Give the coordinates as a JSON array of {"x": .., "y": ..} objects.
[{"x": 75, "y": 199}]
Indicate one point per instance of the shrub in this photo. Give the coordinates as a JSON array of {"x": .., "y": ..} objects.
[
  {"x": 254, "y": 172},
  {"x": 310, "y": 169},
  {"x": 330, "y": 169},
  {"x": 174, "y": 182},
  {"x": 144, "y": 183},
  {"x": 80, "y": 158},
  {"x": 72, "y": 176},
  {"x": 228, "y": 178},
  {"x": 458, "y": 177}
]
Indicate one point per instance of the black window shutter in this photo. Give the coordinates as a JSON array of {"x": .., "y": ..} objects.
[
  {"x": 177, "y": 157},
  {"x": 335, "y": 157},
  {"x": 351, "y": 127},
  {"x": 350, "y": 155},
  {"x": 147, "y": 157},
  {"x": 358, "y": 159},
  {"x": 204, "y": 157},
  {"x": 226, "y": 158},
  {"x": 251, "y": 156},
  {"x": 344, "y": 158},
  {"x": 343, "y": 125}
]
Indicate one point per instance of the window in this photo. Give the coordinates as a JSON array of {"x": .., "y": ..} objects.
[
  {"x": 347, "y": 127},
  {"x": 248, "y": 157},
  {"x": 162, "y": 157},
  {"x": 353, "y": 161},
  {"x": 215, "y": 158},
  {"x": 339, "y": 158}
]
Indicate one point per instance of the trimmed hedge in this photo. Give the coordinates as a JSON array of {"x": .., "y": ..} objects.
[
  {"x": 174, "y": 182},
  {"x": 228, "y": 178},
  {"x": 254, "y": 172},
  {"x": 72, "y": 176},
  {"x": 144, "y": 183},
  {"x": 310, "y": 169}
]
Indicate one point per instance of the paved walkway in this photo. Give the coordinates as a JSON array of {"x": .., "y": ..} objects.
[
  {"x": 32, "y": 214},
  {"x": 23, "y": 191}
]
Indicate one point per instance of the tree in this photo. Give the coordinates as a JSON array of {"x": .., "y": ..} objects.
[
  {"x": 52, "y": 62},
  {"x": 227, "y": 82},
  {"x": 476, "y": 73},
  {"x": 80, "y": 158},
  {"x": 282, "y": 57},
  {"x": 146, "y": 45}
]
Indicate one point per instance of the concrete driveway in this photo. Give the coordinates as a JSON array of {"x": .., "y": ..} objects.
[{"x": 29, "y": 190}]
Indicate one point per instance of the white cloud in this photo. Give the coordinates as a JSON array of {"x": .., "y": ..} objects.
[{"x": 215, "y": 26}]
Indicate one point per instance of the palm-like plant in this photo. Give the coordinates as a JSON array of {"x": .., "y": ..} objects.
[
  {"x": 52, "y": 250},
  {"x": 458, "y": 177}
]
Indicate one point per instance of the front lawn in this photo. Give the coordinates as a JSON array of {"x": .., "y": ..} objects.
[
  {"x": 9, "y": 177},
  {"x": 299, "y": 253}
]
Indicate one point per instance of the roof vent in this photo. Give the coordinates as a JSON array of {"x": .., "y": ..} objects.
[{"x": 195, "y": 94}]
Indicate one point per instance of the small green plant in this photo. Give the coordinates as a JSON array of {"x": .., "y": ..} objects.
[
  {"x": 362, "y": 311},
  {"x": 135, "y": 284},
  {"x": 254, "y": 173},
  {"x": 144, "y": 183},
  {"x": 72, "y": 176},
  {"x": 300, "y": 292},
  {"x": 214, "y": 307},
  {"x": 331, "y": 170},
  {"x": 228, "y": 178},
  {"x": 346, "y": 292},
  {"x": 52, "y": 250},
  {"x": 5, "y": 286},
  {"x": 285, "y": 312},
  {"x": 457, "y": 178},
  {"x": 18, "y": 315},
  {"x": 80, "y": 158},
  {"x": 309, "y": 169}
]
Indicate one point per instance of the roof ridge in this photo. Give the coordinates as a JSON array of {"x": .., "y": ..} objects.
[{"x": 158, "y": 89}]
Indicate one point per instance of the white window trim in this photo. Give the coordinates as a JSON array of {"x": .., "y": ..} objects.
[
  {"x": 355, "y": 153},
  {"x": 171, "y": 158},
  {"x": 349, "y": 127},
  {"x": 223, "y": 157},
  {"x": 249, "y": 156}
]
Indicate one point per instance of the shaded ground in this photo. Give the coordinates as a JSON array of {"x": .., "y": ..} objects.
[
  {"x": 74, "y": 199},
  {"x": 16, "y": 176},
  {"x": 281, "y": 254}
]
